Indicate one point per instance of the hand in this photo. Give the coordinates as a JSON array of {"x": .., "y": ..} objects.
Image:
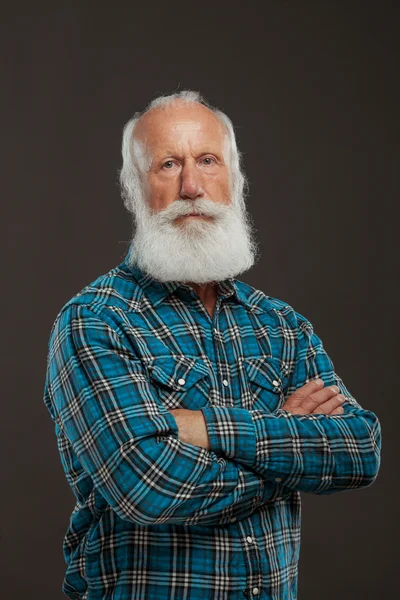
[
  {"x": 313, "y": 398},
  {"x": 192, "y": 427}
]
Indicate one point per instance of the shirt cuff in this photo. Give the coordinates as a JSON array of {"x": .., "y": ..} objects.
[{"x": 232, "y": 432}]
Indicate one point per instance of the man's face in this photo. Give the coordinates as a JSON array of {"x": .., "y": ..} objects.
[
  {"x": 182, "y": 153},
  {"x": 185, "y": 157}
]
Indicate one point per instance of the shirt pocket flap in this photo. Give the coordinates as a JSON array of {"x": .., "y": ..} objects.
[
  {"x": 177, "y": 373},
  {"x": 265, "y": 372}
]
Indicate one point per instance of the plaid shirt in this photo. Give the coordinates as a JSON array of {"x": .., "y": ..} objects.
[{"x": 157, "y": 518}]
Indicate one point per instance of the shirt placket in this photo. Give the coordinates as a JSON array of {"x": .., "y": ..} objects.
[
  {"x": 224, "y": 383},
  {"x": 250, "y": 546},
  {"x": 251, "y": 551}
]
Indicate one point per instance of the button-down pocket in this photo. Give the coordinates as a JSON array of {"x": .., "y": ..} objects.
[
  {"x": 182, "y": 382},
  {"x": 267, "y": 383}
]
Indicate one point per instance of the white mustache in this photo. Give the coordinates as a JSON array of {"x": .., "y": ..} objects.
[{"x": 202, "y": 206}]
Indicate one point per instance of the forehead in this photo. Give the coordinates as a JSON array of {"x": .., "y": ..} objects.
[{"x": 179, "y": 125}]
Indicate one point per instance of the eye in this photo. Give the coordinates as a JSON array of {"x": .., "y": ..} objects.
[
  {"x": 168, "y": 162},
  {"x": 209, "y": 158}
]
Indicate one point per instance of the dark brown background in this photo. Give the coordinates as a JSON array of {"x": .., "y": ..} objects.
[{"x": 312, "y": 88}]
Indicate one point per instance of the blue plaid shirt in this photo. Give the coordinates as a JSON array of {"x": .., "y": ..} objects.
[{"x": 157, "y": 518}]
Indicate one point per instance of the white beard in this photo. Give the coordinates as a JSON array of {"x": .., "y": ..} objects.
[{"x": 194, "y": 250}]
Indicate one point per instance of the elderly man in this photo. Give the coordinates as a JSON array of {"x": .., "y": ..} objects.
[{"x": 190, "y": 408}]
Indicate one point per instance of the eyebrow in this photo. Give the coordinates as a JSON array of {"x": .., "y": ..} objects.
[{"x": 172, "y": 153}]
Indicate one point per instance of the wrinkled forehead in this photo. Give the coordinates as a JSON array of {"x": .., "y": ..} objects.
[{"x": 167, "y": 130}]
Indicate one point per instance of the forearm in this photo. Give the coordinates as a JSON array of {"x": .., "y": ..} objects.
[
  {"x": 238, "y": 502},
  {"x": 310, "y": 453},
  {"x": 316, "y": 453},
  {"x": 161, "y": 479}
]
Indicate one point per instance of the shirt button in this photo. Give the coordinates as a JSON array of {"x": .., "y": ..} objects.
[
  {"x": 275, "y": 382},
  {"x": 225, "y": 382},
  {"x": 181, "y": 381},
  {"x": 255, "y": 591},
  {"x": 233, "y": 519},
  {"x": 249, "y": 539},
  {"x": 278, "y": 479}
]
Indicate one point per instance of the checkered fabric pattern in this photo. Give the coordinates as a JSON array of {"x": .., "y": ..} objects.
[{"x": 157, "y": 518}]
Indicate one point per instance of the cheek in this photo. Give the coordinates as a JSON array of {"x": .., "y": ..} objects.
[
  {"x": 162, "y": 194},
  {"x": 220, "y": 189}
]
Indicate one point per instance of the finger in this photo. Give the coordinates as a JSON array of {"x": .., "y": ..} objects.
[
  {"x": 295, "y": 402},
  {"x": 338, "y": 411},
  {"x": 320, "y": 397},
  {"x": 307, "y": 389},
  {"x": 330, "y": 405}
]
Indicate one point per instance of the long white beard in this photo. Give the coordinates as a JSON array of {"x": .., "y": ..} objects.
[{"x": 194, "y": 250}]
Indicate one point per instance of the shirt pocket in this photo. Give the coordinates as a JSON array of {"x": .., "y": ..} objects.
[
  {"x": 266, "y": 382},
  {"x": 181, "y": 382}
]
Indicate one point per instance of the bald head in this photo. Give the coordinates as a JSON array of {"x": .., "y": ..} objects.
[{"x": 176, "y": 127}]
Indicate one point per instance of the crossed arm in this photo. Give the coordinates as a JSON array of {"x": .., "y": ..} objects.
[
  {"x": 109, "y": 414},
  {"x": 139, "y": 457},
  {"x": 317, "y": 453}
]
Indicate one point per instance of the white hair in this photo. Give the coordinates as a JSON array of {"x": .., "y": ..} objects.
[{"x": 129, "y": 176}]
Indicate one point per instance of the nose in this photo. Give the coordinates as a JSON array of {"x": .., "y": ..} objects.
[{"x": 191, "y": 183}]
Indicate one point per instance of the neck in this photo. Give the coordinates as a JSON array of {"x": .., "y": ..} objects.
[{"x": 207, "y": 293}]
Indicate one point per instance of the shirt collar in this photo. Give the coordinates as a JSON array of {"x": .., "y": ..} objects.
[{"x": 156, "y": 291}]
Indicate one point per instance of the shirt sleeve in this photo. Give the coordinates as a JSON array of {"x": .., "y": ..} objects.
[
  {"x": 101, "y": 399},
  {"x": 316, "y": 453}
]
